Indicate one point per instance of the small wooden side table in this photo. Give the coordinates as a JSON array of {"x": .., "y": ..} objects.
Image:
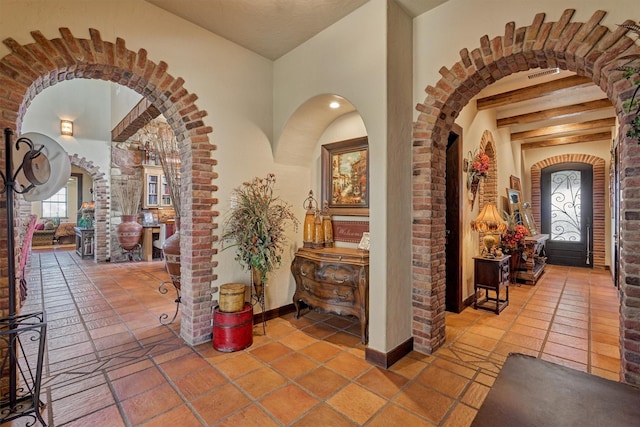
[
  {"x": 491, "y": 275},
  {"x": 84, "y": 242}
]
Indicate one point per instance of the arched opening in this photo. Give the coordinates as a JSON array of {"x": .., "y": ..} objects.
[
  {"x": 587, "y": 49},
  {"x": 25, "y": 73},
  {"x": 598, "y": 197},
  {"x": 101, "y": 189}
]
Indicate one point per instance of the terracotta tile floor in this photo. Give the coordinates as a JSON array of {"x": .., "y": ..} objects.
[{"x": 110, "y": 362}]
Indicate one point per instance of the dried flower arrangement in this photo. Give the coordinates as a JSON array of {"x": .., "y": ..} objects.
[
  {"x": 256, "y": 225},
  {"x": 166, "y": 146},
  {"x": 128, "y": 194}
]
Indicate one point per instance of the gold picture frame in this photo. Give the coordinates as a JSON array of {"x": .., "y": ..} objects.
[{"x": 345, "y": 177}]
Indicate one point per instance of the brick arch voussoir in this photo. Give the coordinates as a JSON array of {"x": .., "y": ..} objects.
[
  {"x": 587, "y": 48},
  {"x": 29, "y": 69}
]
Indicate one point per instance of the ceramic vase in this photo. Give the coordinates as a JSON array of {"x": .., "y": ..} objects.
[{"x": 129, "y": 232}]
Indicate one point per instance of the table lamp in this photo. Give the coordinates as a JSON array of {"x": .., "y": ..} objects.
[{"x": 490, "y": 222}]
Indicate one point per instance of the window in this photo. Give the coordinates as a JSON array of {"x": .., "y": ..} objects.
[
  {"x": 56, "y": 205},
  {"x": 566, "y": 205}
]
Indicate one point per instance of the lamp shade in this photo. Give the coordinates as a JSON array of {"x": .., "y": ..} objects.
[{"x": 489, "y": 220}]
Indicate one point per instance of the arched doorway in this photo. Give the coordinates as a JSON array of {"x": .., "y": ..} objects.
[
  {"x": 101, "y": 189},
  {"x": 585, "y": 48},
  {"x": 24, "y": 74}
]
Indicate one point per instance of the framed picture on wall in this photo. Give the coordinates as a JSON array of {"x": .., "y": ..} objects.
[
  {"x": 514, "y": 182},
  {"x": 345, "y": 177}
]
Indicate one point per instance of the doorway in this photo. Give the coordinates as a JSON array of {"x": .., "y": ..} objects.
[
  {"x": 453, "y": 297},
  {"x": 567, "y": 213}
]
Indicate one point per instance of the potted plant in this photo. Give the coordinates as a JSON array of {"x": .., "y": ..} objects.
[
  {"x": 127, "y": 194},
  {"x": 255, "y": 226}
]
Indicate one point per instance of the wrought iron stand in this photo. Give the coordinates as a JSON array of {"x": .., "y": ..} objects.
[
  {"x": 22, "y": 400},
  {"x": 163, "y": 290},
  {"x": 259, "y": 299}
]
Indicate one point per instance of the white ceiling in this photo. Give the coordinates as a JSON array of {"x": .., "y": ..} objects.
[{"x": 272, "y": 28}]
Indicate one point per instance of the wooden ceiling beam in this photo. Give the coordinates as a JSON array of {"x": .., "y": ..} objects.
[
  {"x": 554, "y": 113},
  {"x": 563, "y": 129},
  {"x": 553, "y": 87},
  {"x": 600, "y": 136}
]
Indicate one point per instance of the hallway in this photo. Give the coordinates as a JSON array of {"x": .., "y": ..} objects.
[{"x": 110, "y": 362}]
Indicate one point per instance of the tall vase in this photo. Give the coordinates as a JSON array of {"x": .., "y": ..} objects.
[
  {"x": 129, "y": 232},
  {"x": 171, "y": 249}
]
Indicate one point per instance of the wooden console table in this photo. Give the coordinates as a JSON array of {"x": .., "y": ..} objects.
[
  {"x": 533, "y": 260},
  {"x": 84, "y": 242},
  {"x": 334, "y": 280}
]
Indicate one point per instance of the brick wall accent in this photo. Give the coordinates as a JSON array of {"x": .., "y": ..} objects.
[
  {"x": 101, "y": 197},
  {"x": 31, "y": 68},
  {"x": 587, "y": 48},
  {"x": 598, "y": 197},
  {"x": 488, "y": 192}
]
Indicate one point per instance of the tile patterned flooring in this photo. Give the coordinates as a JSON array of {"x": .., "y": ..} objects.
[{"x": 110, "y": 363}]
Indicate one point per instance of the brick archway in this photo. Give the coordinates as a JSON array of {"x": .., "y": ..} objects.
[
  {"x": 101, "y": 189},
  {"x": 31, "y": 68},
  {"x": 598, "y": 197},
  {"x": 588, "y": 49}
]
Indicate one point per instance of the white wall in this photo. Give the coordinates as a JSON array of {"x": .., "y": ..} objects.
[
  {"x": 88, "y": 104},
  {"x": 349, "y": 59}
]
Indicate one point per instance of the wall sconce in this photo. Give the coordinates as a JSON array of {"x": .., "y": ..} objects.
[{"x": 66, "y": 127}]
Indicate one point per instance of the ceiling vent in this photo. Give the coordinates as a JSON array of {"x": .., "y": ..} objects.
[{"x": 544, "y": 73}]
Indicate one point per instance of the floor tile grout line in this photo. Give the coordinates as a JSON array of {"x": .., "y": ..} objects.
[{"x": 553, "y": 316}]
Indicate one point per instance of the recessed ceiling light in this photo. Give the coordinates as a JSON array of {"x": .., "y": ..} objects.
[{"x": 334, "y": 105}]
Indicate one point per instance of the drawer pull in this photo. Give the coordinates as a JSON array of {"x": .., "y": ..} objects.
[
  {"x": 335, "y": 279},
  {"x": 343, "y": 297}
]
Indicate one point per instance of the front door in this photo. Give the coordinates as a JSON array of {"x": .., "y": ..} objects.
[{"x": 567, "y": 213}]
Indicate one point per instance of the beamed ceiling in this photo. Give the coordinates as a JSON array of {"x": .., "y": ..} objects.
[{"x": 561, "y": 109}]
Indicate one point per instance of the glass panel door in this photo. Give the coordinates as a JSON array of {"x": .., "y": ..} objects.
[{"x": 567, "y": 213}]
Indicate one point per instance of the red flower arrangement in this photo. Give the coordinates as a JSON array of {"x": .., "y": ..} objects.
[
  {"x": 513, "y": 237},
  {"x": 479, "y": 164}
]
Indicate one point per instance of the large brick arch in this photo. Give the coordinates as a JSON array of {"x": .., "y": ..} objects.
[
  {"x": 588, "y": 49},
  {"x": 598, "y": 197},
  {"x": 31, "y": 68}
]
